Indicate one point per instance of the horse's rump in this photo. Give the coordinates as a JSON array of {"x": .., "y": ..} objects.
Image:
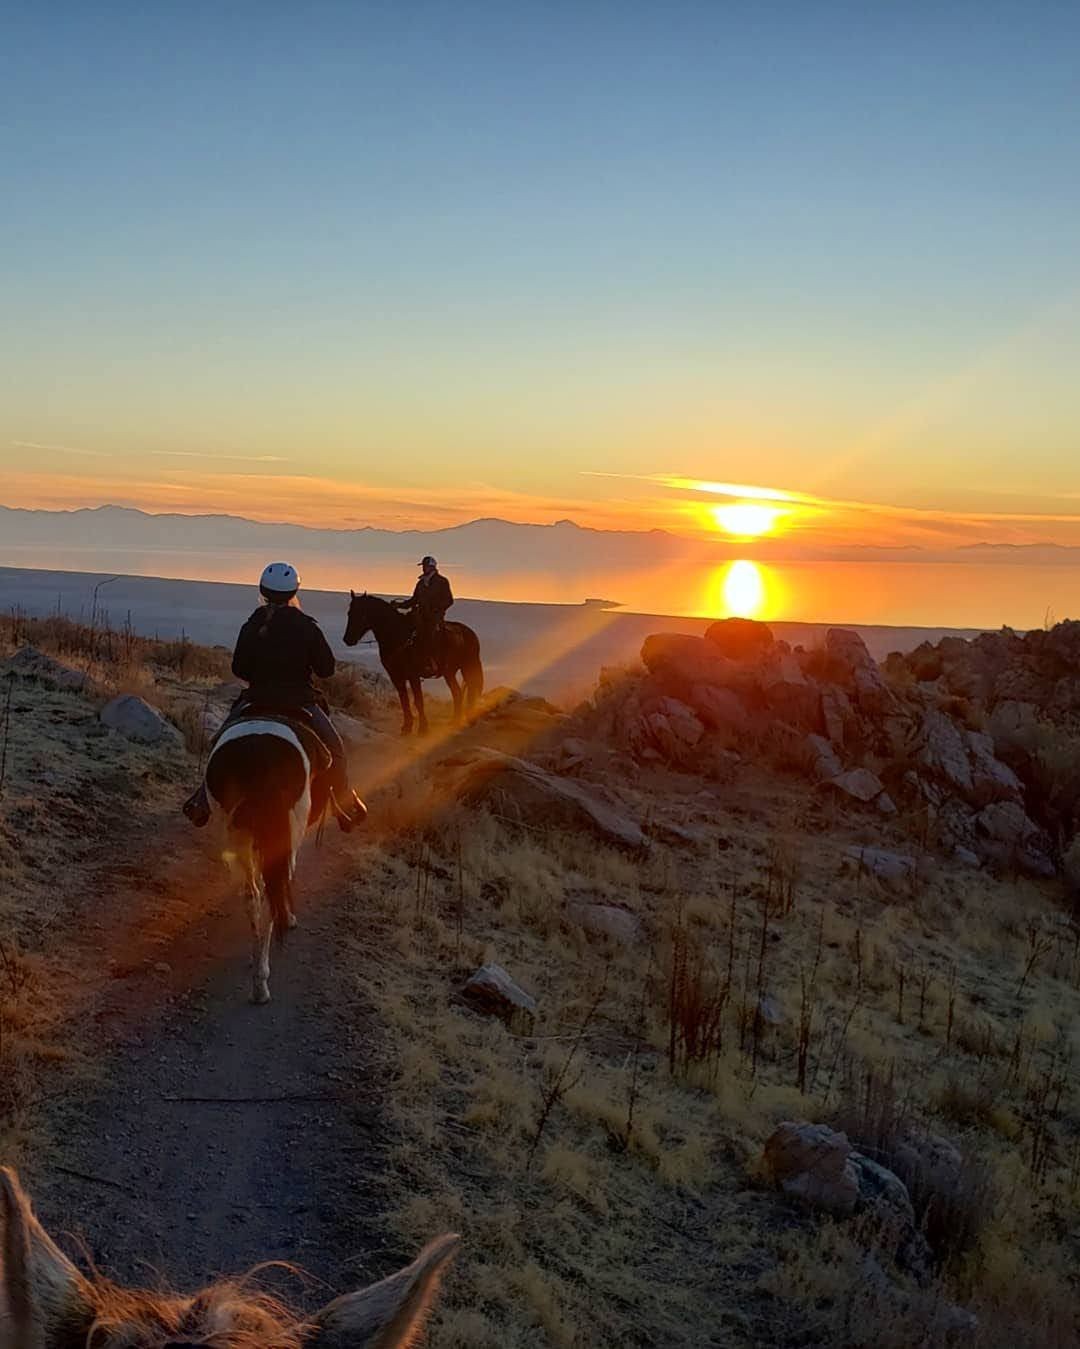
[{"x": 259, "y": 776}]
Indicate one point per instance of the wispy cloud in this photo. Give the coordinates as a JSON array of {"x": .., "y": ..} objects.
[
  {"x": 224, "y": 458},
  {"x": 62, "y": 449}
]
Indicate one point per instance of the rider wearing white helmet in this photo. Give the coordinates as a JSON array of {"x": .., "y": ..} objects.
[
  {"x": 428, "y": 604},
  {"x": 279, "y": 653}
]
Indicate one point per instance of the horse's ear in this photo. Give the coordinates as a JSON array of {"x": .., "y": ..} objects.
[
  {"x": 352, "y": 594},
  {"x": 391, "y": 1313},
  {"x": 41, "y": 1289}
]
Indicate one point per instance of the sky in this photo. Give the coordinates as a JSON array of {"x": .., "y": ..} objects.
[{"x": 406, "y": 265}]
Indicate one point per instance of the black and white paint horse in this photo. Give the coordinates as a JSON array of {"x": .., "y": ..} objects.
[{"x": 267, "y": 783}]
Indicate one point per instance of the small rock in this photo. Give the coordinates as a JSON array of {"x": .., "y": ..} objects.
[
  {"x": 858, "y": 783},
  {"x": 135, "y": 719},
  {"x": 811, "y": 1162},
  {"x": 606, "y": 920},
  {"x": 886, "y": 866},
  {"x": 768, "y": 1009},
  {"x": 493, "y": 991},
  {"x": 163, "y": 967},
  {"x": 966, "y": 857}
]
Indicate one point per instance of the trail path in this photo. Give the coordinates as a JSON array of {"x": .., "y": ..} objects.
[{"x": 211, "y": 1134}]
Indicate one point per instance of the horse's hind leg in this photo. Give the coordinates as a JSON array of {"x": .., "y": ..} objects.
[
  {"x": 455, "y": 693},
  {"x": 259, "y": 915}
]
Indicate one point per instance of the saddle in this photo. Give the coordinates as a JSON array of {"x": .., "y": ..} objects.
[{"x": 298, "y": 722}]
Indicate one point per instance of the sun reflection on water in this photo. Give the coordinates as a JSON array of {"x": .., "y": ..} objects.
[{"x": 739, "y": 589}]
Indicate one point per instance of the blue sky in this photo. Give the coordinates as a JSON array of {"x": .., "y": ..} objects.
[{"x": 481, "y": 247}]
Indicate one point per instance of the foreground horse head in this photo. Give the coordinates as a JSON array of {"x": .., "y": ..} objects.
[
  {"x": 261, "y": 781},
  {"x": 45, "y": 1303}
]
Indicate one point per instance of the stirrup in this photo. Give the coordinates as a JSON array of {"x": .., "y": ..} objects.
[{"x": 350, "y": 815}]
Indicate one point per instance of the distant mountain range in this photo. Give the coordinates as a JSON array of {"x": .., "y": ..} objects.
[{"x": 480, "y": 544}]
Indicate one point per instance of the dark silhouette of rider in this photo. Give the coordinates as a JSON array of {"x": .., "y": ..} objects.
[
  {"x": 430, "y": 600},
  {"x": 279, "y": 652}
]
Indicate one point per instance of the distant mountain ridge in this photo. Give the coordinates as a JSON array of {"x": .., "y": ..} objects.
[{"x": 483, "y": 543}]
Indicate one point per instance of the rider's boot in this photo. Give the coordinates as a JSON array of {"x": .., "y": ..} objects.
[
  {"x": 349, "y": 809},
  {"x": 197, "y": 807}
]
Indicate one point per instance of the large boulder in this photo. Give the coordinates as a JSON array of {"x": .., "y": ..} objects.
[
  {"x": 943, "y": 752},
  {"x": 742, "y": 639},
  {"x": 538, "y": 797},
  {"x": 135, "y": 719},
  {"x": 678, "y": 662}
]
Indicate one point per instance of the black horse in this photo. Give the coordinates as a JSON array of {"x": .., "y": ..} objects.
[{"x": 456, "y": 648}]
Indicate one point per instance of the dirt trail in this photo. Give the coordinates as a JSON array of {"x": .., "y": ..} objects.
[{"x": 213, "y": 1135}]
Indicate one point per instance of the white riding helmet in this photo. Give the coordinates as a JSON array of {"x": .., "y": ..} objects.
[{"x": 279, "y": 578}]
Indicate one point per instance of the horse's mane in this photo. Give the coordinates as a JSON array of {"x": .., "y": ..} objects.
[{"x": 227, "y": 1315}]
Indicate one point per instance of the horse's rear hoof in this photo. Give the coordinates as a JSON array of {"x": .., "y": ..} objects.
[{"x": 260, "y": 995}]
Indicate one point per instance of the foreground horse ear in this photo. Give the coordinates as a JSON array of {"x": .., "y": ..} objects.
[
  {"x": 391, "y": 1314},
  {"x": 352, "y": 594},
  {"x": 41, "y": 1291}
]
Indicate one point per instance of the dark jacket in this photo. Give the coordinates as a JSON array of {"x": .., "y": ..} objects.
[
  {"x": 279, "y": 650},
  {"x": 432, "y": 595}
]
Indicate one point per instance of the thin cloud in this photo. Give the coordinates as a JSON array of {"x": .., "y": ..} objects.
[
  {"x": 230, "y": 458},
  {"x": 62, "y": 449}
]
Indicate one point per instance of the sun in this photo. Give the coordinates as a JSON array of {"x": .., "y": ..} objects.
[{"x": 746, "y": 519}]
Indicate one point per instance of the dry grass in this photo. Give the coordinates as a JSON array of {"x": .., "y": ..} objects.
[
  {"x": 635, "y": 1217},
  {"x": 603, "y": 1166}
]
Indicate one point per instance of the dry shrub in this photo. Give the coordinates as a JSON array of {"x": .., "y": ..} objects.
[
  {"x": 953, "y": 1195},
  {"x": 354, "y": 690}
]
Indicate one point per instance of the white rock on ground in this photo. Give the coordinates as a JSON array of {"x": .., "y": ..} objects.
[
  {"x": 135, "y": 719},
  {"x": 493, "y": 991}
]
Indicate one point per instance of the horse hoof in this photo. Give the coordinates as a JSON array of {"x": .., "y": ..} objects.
[
  {"x": 424, "y": 729},
  {"x": 260, "y": 995},
  {"x": 292, "y": 921},
  {"x": 406, "y": 730}
]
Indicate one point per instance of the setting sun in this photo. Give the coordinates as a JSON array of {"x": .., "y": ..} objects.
[{"x": 746, "y": 519}]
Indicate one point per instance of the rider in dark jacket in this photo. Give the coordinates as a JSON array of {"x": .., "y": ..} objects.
[
  {"x": 279, "y": 651},
  {"x": 430, "y": 600}
]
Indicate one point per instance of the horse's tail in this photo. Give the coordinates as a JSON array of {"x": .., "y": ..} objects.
[
  {"x": 472, "y": 671},
  {"x": 267, "y": 820}
]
